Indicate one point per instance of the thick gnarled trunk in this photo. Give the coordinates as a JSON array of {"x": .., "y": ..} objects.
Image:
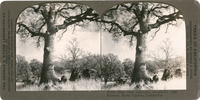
[
  {"x": 139, "y": 71},
  {"x": 48, "y": 73}
]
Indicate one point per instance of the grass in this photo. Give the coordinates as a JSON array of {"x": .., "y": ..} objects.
[
  {"x": 173, "y": 84},
  {"x": 79, "y": 85},
  {"x": 90, "y": 85}
]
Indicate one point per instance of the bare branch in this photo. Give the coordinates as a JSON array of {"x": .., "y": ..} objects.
[
  {"x": 38, "y": 42},
  {"x": 30, "y": 31},
  {"x": 62, "y": 34},
  {"x": 120, "y": 27},
  {"x": 114, "y": 8},
  {"x": 67, "y": 8},
  {"x": 78, "y": 18},
  {"x": 155, "y": 34},
  {"x": 131, "y": 41},
  {"x": 42, "y": 26},
  {"x": 166, "y": 19},
  {"x": 160, "y": 7}
]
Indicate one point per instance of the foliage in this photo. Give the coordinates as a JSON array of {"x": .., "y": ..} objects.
[
  {"x": 152, "y": 67},
  {"x": 23, "y": 70},
  {"x": 34, "y": 22},
  {"x": 111, "y": 67},
  {"x": 59, "y": 68},
  {"x": 91, "y": 61},
  {"x": 128, "y": 66},
  {"x": 130, "y": 19},
  {"x": 36, "y": 68}
]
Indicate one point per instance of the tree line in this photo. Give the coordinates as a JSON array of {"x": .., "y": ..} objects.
[{"x": 107, "y": 66}]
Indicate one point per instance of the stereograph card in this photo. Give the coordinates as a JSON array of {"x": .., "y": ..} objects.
[{"x": 100, "y": 50}]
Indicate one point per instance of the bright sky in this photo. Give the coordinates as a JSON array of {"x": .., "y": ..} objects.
[{"x": 89, "y": 41}]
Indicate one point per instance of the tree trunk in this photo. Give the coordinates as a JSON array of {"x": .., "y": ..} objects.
[
  {"x": 48, "y": 73},
  {"x": 105, "y": 80},
  {"x": 139, "y": 71}
]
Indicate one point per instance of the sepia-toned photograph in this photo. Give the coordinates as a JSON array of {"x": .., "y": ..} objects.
[
  {"x": 58, "y": 48},
  {"x": 144, "y": 47},
  {"x": 69, "y": 47}
]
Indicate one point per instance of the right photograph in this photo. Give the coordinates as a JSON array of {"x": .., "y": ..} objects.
[{"x": 143, "y": 47}]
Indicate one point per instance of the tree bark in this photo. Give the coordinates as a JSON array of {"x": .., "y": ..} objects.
[
  {"x": 48, "y": 73},
  {"x": 139, "y": 71}
]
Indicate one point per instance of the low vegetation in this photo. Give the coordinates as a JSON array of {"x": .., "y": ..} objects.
[{"x": 92, "y": 85}]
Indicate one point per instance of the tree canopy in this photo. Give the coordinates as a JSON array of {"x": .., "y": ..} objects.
[
  {"x": 126, "y": 19},
  {"x": 34, "y": 21}
]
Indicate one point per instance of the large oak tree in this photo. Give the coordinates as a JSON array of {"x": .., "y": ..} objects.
[
  {"x": 134, "y": 21},
  {"x": 42, "y": 22}
]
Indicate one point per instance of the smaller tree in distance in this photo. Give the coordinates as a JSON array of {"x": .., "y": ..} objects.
[
  {"x": 74, "y": 53},
  {"x": 166, "y": 59},
  {"x": 163, "y": 55}
]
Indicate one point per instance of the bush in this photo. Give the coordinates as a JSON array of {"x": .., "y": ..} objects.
[
  {"x": 151, "y": 67},
  {"x": 23, "y": 70},
  {"x": 59, "y": 70}
]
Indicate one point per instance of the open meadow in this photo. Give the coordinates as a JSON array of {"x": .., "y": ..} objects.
[{"x": 97, "y": 85}]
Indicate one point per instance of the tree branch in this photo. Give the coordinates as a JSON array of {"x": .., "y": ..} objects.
[
  {"x": 30, "y": 31},
  {"x": 67, "y": 8},
  {"x": 42, "y": 26},
  {"x": 78, "y": 18},
  {"x": 155, "y": 34},
  {"x": 124, "y": 31},
  {"x": 166, "y": 19},
  {"x": 127, "y": 8},
  {"x": 161, "y": 7}
]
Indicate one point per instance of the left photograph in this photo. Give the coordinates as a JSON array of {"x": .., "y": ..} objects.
[{"x": 58, "y": 48}]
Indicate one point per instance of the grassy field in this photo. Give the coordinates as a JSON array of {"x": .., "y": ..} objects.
[
  {"x": 173, "y": 84},
  {"x": 90, "y": 85},
  {"x": 68, "y": 86}
]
